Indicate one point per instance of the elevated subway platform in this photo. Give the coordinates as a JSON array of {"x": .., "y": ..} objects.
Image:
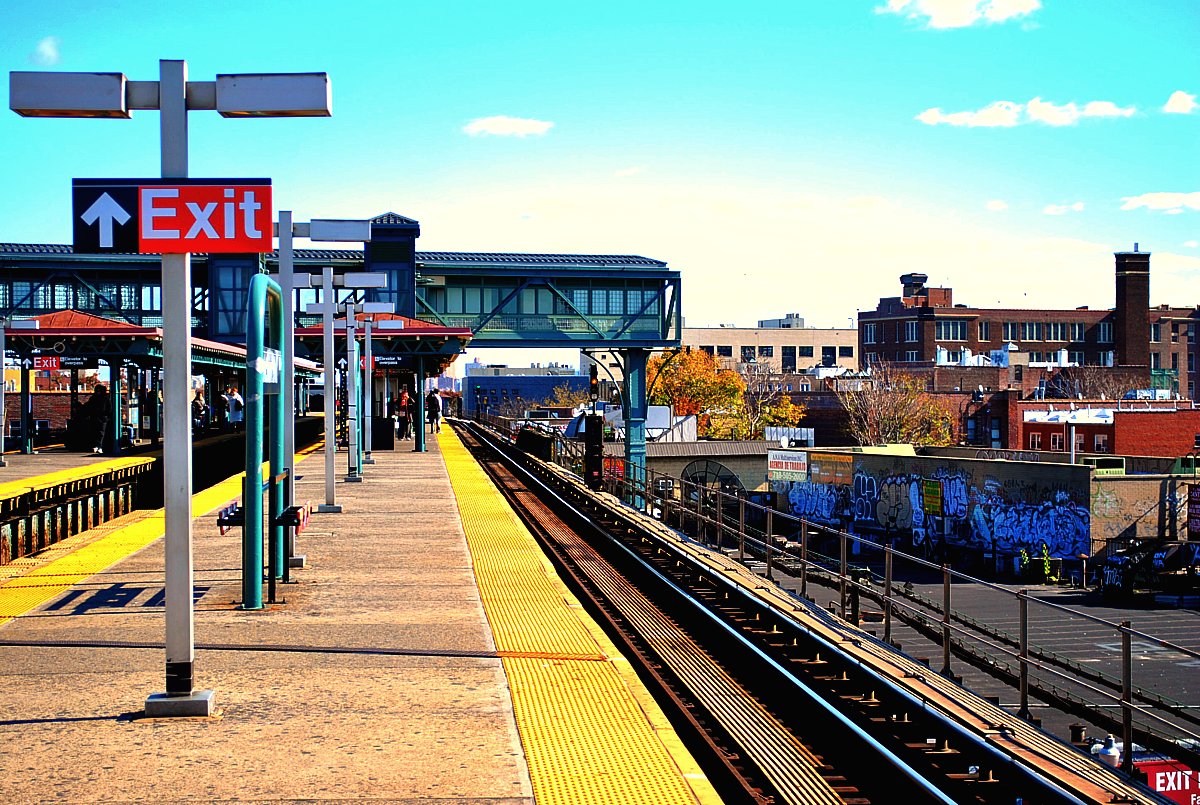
[{"x": 380, "y": 678}]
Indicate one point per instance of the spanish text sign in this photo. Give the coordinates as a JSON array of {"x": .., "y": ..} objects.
[{"x": 171, "y": 216}]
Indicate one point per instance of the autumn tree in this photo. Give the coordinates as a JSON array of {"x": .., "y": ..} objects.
[
  {"x": 691, "y": 382},
  {"x": 890, "y": 407},
  {"x": 563, "y": 396},
  {"x": 764, "y": 403}
]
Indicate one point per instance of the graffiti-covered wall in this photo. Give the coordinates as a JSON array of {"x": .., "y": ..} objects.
[{"x": 996, "y": 507}]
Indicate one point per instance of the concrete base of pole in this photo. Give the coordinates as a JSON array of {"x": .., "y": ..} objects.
[
  {"x": 302, "y": 561},
  {"x": 198, "y": 704},
  {"x": 353, "y": 479},
  {"x": 368, "y": 460},
  {"x": 327, "y": 508}
]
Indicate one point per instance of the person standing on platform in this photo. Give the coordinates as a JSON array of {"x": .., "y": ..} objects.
[
  {"x": 199, "y": 420},
  {"x": 412, "y": 415},
  {"x": 402, "y": 414},
  {"x": 222, "y": 412},
  {"x": 95, "y": 414},
  {"x": 433, "y": 411},
  {"x": 236, "y": 404}
]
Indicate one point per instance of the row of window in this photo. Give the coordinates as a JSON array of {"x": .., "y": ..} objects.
[
  {"x": 474, "y": 300},
  {"x": 748, "y": 354},
  {"x": 956, "y": 330},
  {"x": 1057, "y": 440}
]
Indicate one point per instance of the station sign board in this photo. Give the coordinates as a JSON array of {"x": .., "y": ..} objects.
[
  {"x": 1193, "y": 512},
  {"x": 787, "y": 465},
  {"x": 43, "y": 363},
  {"x": 171, "y": 216}
]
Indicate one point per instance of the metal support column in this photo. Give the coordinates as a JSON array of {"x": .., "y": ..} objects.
[
  {"x": 369, "y": 396},
  {"x": 635, "y": 420},
  {"x": 419, "y": 390}
]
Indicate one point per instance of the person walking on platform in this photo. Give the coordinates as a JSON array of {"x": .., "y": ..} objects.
[
  {"x": 413, "y": 421},
  {"x": 402, "y": 414},
  {"x": 433, "y": 411},
  {"x": 236, "y": 404},
  {"x": 95, "y": 414},
  {"x": 222, "y": 412}
]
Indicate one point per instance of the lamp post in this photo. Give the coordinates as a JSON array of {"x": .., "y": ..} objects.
[
  {"x": 328, "y": 307},
  {"x": 321, "y": 230},
  {"x": 111, "y": 95}
]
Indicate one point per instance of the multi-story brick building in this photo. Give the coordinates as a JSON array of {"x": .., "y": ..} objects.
[{"x": 925, "y": 326}]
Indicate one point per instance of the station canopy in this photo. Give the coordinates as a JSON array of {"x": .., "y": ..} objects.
[{"x": 393, "y": 350}]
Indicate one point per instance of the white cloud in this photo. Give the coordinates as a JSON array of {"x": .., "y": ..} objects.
[
  {"x": 1063, "y": 209},
  {"x": 624, "y": 173},
  {"x": 1192, "y": 244},
  {"x": 996, "y": 205},
  {"x": 46, "y": 53},
  {"x": 960, "y": 13},
  {"x": 1167, "y": 202},
  {"x": 999, "y": 114},
  {"x": 1008, "y": 114},
  {"x": 505, "y": 126},
  {"x": 1180, "y": 103}
]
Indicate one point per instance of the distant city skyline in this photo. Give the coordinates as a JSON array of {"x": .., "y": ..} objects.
[{"x": 785, "y": 157}]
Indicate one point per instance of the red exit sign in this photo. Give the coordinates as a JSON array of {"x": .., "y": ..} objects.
[
  {"x": 44, "y": 363},
  {"x": 172, "y": 216}
]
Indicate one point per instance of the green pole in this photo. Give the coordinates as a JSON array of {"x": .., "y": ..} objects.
[{"x": 264, "y": 297}]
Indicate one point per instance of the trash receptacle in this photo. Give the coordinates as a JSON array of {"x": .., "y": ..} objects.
[{"x": 383, "y": 433}]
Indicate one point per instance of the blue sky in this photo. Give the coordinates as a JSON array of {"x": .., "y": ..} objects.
[{"x": 785, "y": 156}]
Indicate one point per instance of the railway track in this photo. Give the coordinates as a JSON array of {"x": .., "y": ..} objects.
[{"x": 778, "y": 699}]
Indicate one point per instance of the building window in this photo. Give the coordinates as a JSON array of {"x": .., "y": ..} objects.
[
  {"x": 1191, "y": 328},
  {"x": 1191, "y": 361},
  {"x": 788, "y": 359},
  {"x": 1155, "y": 360},
  {"x": 1036, "y": 357},
  {"x": 1056, "y": 331},
  {"x": 766, "y": 352},
  {"x": 1104, "y": 332},
  {"x": 708, "y": 349},
  {"x": 899, "y": 331},
  {"x": 954, "y": 356},
  {"x": 747, "y": 354},
  {"x": 1078, "y": 329},
  {"x": 1155, "y": 332},
  {"x": 1056, "y": 441},
  {"x": 1191, "y": 390},
  {"x": 912, "y": 356},
  {"x": 985, "y": 331},
  {"x": 1174, "y": 360},
  {"x": 805, "y": 386},
  {"x": 1012, "y": 331},
  {"x": 1035, "y": 441},
  {"x": 805, "y": 352},
  {"x": 1076, "y": 358},
  {"x": 1031, "y": 330},
  {"x": 912, "y": 330},
  {"x": 868, "y": 333},
  {"x": 872, "y": 357},
  {"x": 724, "y": 351},
  {"x": 845, "y": 352},
  {"x": 1101, "y": 442},
  {"x": 950, "y": 330}
]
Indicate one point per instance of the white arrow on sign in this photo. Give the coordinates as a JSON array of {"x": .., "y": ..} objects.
[{"x": 105, "y": 210}]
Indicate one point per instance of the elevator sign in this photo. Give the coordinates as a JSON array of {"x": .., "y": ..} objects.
[{"x": 171, "y": 216}]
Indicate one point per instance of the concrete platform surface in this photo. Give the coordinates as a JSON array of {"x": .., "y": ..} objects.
[{"x": 377, "y": 680}]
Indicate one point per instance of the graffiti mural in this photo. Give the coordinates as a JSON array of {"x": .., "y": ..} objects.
[{"x": 978, "y": 505}]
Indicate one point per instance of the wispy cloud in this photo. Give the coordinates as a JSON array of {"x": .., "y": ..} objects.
[
  {"x": 1063, "y": 209},
  {"x": 505, "y": 126},
  {"x": 995, "y": 115},
  {"x": 1191, "y": 244},
  {"x": 960, "y": 13},
  {"x": 1006, "y": 114},
  {"x": 1180, "y": 103},
  {"x": 1170, "y": 203},
  {"x": 996, "y": 205},
  {"x": 625, "y": 173},
  {"x": 46, "y": 53}
]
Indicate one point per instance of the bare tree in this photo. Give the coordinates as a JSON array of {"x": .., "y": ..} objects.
[
  {"x": 894, "y": 407},
  {"x": 1096, "y": 382},
  {"x": 764, "y": 402}
]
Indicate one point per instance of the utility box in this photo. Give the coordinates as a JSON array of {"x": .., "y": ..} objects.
[
  {"x": 593, "y": 451},
  {"x": 383, "y": 433}
]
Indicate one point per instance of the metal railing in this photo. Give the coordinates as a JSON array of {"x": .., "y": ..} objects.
[{"x": 776, "y": 543}]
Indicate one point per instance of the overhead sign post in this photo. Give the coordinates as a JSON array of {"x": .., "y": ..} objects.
[{"x": 197, "y": 213}]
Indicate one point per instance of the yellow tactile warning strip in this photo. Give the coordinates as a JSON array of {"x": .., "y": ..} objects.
[
  {"x": 50, "y": 573},
  {"x": 590, "y": 729}
]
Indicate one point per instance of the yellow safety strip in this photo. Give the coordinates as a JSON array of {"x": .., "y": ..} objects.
[
  {"x": 48, "y": 574},
  {"x": 590, "y": 730}
]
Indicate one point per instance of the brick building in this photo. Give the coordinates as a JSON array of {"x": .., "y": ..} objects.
[{"x": 925, "y": 326}]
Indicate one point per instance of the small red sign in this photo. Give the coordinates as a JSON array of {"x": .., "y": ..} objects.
[
  {"x": 1171, "y": 779},
  {"x": 174, "y": 219},
  {"x": 43, "y": 363},
  {"x": 362, "y": 362}
]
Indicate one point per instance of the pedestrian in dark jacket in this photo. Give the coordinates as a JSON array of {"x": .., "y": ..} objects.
[{"x": 95, "y": 414}]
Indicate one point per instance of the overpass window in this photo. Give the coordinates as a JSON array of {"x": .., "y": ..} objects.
[
  {"x": 650, "y": 297},
  {"x": 5, "y": 296},
  {"x": 472, "y": 300},
  {"x": 599, "y": 302},
  {"x": 63, "y": 298},
  {"x": 616, "y": 302},
  {"x": 21, "y": 293}
]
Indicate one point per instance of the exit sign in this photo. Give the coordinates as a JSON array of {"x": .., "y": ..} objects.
[{"x": 171, "y": 216}]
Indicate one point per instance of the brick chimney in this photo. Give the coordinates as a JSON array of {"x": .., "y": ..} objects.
[{"x": 1131, "y": 326}]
